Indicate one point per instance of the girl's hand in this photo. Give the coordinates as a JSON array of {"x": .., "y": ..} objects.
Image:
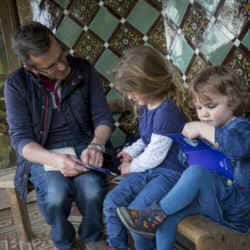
[
  {"x": 125, "y": 168},
  {"x": 191, "y": 130},
  {"x": 125, "y": 157},
  {"x": 196, "y": 129}
]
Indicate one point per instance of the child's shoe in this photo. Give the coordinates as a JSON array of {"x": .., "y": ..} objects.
[{"x": 143, "y": 221}]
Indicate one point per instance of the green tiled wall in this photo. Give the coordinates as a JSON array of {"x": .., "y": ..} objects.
[
  {"x": 191, "y": 33},
  {"x": 100, "y": 31},
  {"x": 203, "y": 32}
]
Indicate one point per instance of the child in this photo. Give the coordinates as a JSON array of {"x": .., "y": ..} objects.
[
  {"x": 219, "y": 98},
  {"x": 150, "y": 163}
]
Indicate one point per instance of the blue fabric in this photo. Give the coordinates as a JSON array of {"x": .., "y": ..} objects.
[
  {"x": 234, "y": 141},
  {"x": 163, "y": 120},
  {"x": 55, "y": 194},
  {"x": 30, "y": 112},
  {"x": 137, "y": 190},
  {"x": 202, "y": 191}
]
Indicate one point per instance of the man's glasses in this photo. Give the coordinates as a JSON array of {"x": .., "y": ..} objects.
[{"x": 53, "y": 67}]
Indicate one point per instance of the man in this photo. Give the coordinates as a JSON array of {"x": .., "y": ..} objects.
[{"x": 58, "y": 119}]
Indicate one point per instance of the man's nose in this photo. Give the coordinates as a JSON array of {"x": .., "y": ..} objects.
[{"x": 61, "y": 66}]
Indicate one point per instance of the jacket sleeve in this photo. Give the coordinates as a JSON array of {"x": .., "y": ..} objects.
[
  {"x": 18, "y": 116},
  {"x": 101, "y": 114},
  {"x": 234, "y": 141}
]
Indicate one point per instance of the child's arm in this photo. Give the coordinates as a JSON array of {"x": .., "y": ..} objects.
[
  {"x": 234, "y": 140},
  {"x": 196, "y": 129},
  {"x": 135, "y": 148},
  {"x": 155, "y": 152}
]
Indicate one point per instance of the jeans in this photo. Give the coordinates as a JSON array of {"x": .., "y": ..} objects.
[
  {"x": 137, "y": 190},
  {"x": 197, "y": 191},
  {"x": 55, "y": 194}
]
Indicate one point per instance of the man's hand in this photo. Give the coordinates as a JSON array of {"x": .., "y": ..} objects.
[
  {"x": 68, "y": 165},
  {"x": 92, "y": 156},
  {"x": 125, "y": 168},
  {"x": 125, "y": 157}
]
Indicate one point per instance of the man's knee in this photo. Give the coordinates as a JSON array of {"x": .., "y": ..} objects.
[{"x": 57, "y": 201}]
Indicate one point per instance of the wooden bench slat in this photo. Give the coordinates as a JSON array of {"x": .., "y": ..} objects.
[
  {"x": 208, "y": 235},
  {"x": 7, "y": 181}
]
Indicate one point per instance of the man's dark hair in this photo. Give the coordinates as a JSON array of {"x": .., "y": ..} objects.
[{"x": 31, "y": 39}]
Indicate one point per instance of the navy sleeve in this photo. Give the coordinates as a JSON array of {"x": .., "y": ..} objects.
[
  {"x": 168, "y": 119},
  {"x": 234, "y": 140},
  {"x": 101, "y": 114},
  {"x": 18, "y": 117}
]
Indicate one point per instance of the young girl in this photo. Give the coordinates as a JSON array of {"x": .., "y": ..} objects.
[
  {"x": 219, "y": 98},
  {"x": 150, "y": 163}
]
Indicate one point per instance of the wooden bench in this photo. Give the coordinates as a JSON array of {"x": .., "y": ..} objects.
[
  {"x": 18, "y": 208},
  {"x": 203, "y": 233},
  {"x": 207, "y": 235}
]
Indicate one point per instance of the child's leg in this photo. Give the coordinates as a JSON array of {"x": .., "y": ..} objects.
[
  {"x": 196, "y": 184},
  {"x": 166, "y": 232},
  {"x": 151, "y": 193},
  {"x": 121, "y": 195}
]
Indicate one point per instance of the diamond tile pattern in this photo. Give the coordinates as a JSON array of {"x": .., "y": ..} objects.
[
  {"x": 105, "y": 63},
  {"x": 176, "y": 10},
  {"x": 197, "y": 33},
  {"x": 104, "y": 19},
  {"x": 209, "y": 5},
  {"x": 181, "y": 53},
  {"x": 84, "y": 10},
  {"x": 195, "y": 24},
  {"x": 73, "y": 30},
  {"x": 217, "y": 44},
  {"x": 138, "y": 14},
  {"x": 120, "y": 8},
  {"x": 126, "y": 36},
  {"x": 90, "y": 46},
  {"x": 63, "y": 3},
  {"x": 246, "y": 40}
]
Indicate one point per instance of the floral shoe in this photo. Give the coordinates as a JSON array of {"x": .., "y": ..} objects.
[{"x": 143, "y": 221}]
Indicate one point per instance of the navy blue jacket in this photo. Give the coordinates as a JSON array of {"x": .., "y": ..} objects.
[{"x": 29, "y": 111}]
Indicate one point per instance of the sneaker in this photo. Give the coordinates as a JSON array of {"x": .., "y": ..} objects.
[{"x": 144, "y": 222}]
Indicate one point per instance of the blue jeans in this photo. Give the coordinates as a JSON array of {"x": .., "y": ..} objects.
[
  {"x": 198, "y": 190},
  {"x": 137, "y": 190},
  {"x": 55, "y": 194}
]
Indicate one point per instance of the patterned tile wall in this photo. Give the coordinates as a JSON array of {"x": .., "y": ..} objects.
[
  {"x": 100, "y": 31},
  {"x": 191, "y": 33},
  {"x": 207, "y": 32}
]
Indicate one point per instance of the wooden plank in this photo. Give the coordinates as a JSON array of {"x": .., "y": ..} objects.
[
  {"x": 7, "y": 181},
  {"x": 20, "y": 216}
]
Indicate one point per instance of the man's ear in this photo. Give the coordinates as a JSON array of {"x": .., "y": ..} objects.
[{"x": 30, "y": 68}]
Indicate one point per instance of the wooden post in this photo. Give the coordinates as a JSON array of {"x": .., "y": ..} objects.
[{"x": 20, "y": 215}]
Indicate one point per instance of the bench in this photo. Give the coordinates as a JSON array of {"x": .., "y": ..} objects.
[
  {"x": 208, "y": 235},
  {"x": 18, "y": 208},
  {"x": 203, "y": 233}
]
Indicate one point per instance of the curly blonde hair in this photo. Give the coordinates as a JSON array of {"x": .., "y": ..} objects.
[{"x": 225, "y": 81}]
